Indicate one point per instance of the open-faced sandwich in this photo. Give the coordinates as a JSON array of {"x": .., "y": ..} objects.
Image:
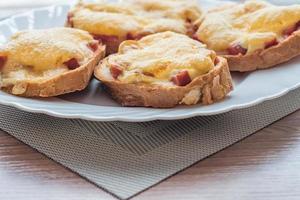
[
  {"x": 253, "y": 35},
  {"x": 164, "y": 70},
  {"x": 51, "y": 62},
  {"x": 113, "y": 22}
]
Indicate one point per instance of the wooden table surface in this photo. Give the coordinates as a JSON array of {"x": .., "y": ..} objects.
[{"x": 262, "y": 167}]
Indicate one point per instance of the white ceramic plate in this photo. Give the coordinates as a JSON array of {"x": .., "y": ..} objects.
[{"x": 94, "y": 104}]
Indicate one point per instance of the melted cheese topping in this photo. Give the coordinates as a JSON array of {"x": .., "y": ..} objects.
[
  {"x": 46, "y": 49},
  {"x": 135, "y": 17},
  {"x": 39, "y": 54},
  {"x": 156, "y": 58},
  {"x": 175, "y": 9},
  {"x": 251, "y": 25}
]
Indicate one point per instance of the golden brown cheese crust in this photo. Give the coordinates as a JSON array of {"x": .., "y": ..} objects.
[
  {"x": 50, "y": 48},
  {"x": 156, "y": 58},
  {"x": 131, "y": 19},
  {"x": 251, "y": 25},
  {"x": 206, "y": 87},
  {"x": 257, "y": 28}
]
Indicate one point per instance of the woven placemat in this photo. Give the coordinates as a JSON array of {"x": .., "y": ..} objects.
[{"x": 127, "y": 158}]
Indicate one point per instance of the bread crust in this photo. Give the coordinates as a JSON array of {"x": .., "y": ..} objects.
[
  {"x": 71, "y": 81},
  {"x": 206, "y": 89},
  {"x": 267, "y": 58}
]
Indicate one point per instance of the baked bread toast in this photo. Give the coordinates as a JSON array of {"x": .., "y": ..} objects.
[
  {"x": 253, "y": 35},
  {"x": 114, "y": 22},
  {"x": 164, "y": 70},
  {"x": 50, "y": 62}
]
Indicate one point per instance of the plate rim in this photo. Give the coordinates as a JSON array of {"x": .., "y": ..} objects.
[
  {"x": 129, "y": 118},
  {"x": 150, "y": 118}
]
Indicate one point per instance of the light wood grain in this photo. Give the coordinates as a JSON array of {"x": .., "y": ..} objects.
[{"x": 262, "y": 167}]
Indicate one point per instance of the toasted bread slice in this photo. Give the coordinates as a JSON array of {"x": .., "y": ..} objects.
[
  {"x": 115, "y": 22},
  {"x": 148, "y": 90},
  {"x": 253, "y": 35},
  {"x": 55, "y": 81},
  {"x": 67, "y": 82},
  {"x": 206, "y": 89}
]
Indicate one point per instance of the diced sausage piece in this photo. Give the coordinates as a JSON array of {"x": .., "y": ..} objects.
[
  {"x": 271, "y": 43},
  {"x": 97, "y": 37},
  {"x": 236, "y": 49},
  {"x": 195, "y": 37},
  {"x": 182, "y": 78},
  {"x": 69, "y": 18},
  {"x": 216, "y": 61},
  {"x": 106, "y": 38},
  {"x": 3, "y": 60},
  {"x": 115, "y": 70},
  {"x": 93, "y": 45},
  {"x": 72, "y": 64},
  {"x": 289, "y": 31},
  {"x": 131, "y": 36}
]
